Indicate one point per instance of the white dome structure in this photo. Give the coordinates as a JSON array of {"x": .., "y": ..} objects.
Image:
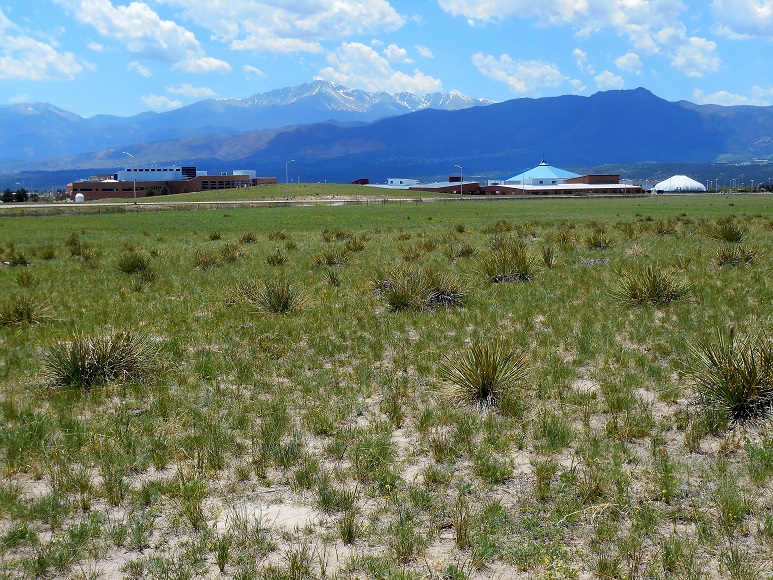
[
  {"x": 79, "y": 198},
  {"x": 679, "y": 183}
]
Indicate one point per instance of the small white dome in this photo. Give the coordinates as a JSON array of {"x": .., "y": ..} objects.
[
  {"x": 79, "y": 197},
  {"x": 679, "y": 183}
]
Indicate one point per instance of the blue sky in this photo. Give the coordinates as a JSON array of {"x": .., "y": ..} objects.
[{"x": 125, "y": 57}]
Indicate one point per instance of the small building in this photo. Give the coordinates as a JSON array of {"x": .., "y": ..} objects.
[{"x": 465, "y": 187}]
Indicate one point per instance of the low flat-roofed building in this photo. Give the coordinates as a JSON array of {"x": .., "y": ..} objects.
[{"x": 107, "y": 189}]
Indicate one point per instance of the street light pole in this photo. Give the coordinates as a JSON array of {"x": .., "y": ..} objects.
[
  {"x": 461, "y": 183},
  {"x": 134, "y": 174},
  {"x": 287, "y": 181}
]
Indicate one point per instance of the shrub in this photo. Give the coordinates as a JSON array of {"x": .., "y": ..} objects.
[
  {"x": 650, "y": 285},
  {"x": 735, "y": 255},
  {"x": 734, "y": 375},
  {"x": 483, "y": 374},
  {"x": 87, "y": 360},
  {"x": 508, "y": 263},
  {"x": 215, "y": 235}
]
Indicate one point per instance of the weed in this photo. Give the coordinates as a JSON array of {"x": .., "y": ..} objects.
[
  {"x": 231, "y": 252},
  {"x": 739, "y": 565},
  {"x": 461, "y": 521},
  {"x": 87, "y": 360},
  {"x": 650, "y": 285},
  {"x": 760, "y": 461},
  {"x": 214, "y": 235},
  {"x": 348, "y": 526},
  {"x": 544, "y": 472},
  {"x": 734, "y": 375},
  {"x": 483, "y": 373}
]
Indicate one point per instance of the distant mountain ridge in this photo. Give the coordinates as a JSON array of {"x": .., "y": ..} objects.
[
  {"x": 38, "y": 131},
  {"x": 605, "y": 129}
]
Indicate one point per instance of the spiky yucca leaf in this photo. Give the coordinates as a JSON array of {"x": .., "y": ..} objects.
[
  {"x": 649, "y": 285},
  {"x": 734, "y": 375},
  {"x": 87, "y": 360},
  {"x": 482, "y": 374},
  {"x": 279, "y": 297}
]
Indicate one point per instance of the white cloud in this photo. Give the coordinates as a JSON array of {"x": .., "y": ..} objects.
[
  {"x": 160, "y": 103},
  {"x": 608, "y": 81},
  {"x": 19, "y": 99},
  {"x": 630, "y": 63},
  {"x": 757, "y": 97},
  {"x": 253, "y": 72},
  {"x": 693, "y": 56},
  {"x": 143, "y": 33},
  {"x": 645, "y": 23},
  {"x": 396, "y": 54},
  {"x": 191, "y": 91},
  {"x": 286, "y": 27},
  {"x": 140, "y": 69},
  {"x": 743, "y": 18},
  {"x": 525, "y": 77},
  {"x": 96, "y": 47},
  {"x": 582, "y": 61},
  {"x": 577, "y": 86},
  {"x": 24, "y": 58},
  {"x": 424, "y": 52},
  {"x": 359, "y": 66}
]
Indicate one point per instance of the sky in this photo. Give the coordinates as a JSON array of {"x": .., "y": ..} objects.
[{"x": 124, "y": 57}]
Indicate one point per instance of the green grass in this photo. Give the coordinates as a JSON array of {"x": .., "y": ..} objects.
[{"x": 586, "y": 447}]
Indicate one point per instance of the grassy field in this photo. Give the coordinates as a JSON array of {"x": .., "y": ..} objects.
[{"x": 503, "y": 389}]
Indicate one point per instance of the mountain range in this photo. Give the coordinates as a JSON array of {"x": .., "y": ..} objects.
[{"x": 338, "y": 134}]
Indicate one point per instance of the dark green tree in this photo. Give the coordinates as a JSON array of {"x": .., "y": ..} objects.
[
  {"x": 149, "y": 192},
  {"x": 164, "y": 190},
  {"x": 21, "y": 195},
  {"x": 7, "y": 196}
]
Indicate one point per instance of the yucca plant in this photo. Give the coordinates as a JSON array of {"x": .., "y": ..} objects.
[
  {"x": 22, "y": 309},
  {"x": 508, "y": 263},
  {"x": 649, "y": 285},
  {"x": 549, "y": 257},
  {"x": 88, "y": 360},
  {"x": 133, "y": 262},
  {"x": 413, "y": 289},
  {"x": 728, "y": 231},
  {"x": 598, "y": 240},
  {"x": 735, "y": 255},
  {"x": 277, "y": 296},
  {"x": 482, "y": 374},
  {"x": 734, "y": 375}
]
